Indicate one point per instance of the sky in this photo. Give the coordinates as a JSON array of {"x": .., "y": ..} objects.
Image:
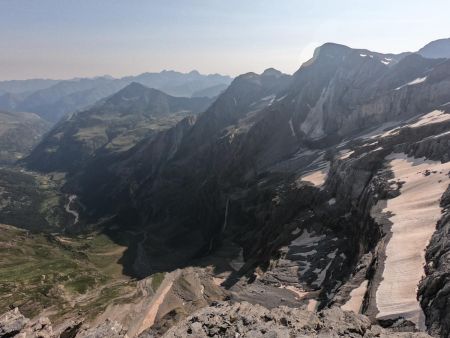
[{"x": 83, "y": 38}]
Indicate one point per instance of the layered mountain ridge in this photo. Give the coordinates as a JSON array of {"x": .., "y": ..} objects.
[
  {"x": 52, "y": 99},
  {"x": 112, "y": 125},
  {"x": 325, "y": 191},
  {"x": 19, "y": 133}
]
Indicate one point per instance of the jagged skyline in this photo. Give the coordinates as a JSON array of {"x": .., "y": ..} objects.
[{"x": 65, "y": 39}]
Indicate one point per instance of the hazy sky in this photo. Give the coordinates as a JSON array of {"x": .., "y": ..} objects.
[{"x": 67, "y": 38}]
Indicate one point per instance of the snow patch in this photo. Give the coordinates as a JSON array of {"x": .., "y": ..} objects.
[
  {"x": 386, "y": 61},
  {"x": 435, "y": 116},
  {"x": 413, "y": 214},
  {"x": 291, "y": 126},
  {"x": 312, "y": 305},
  {"x": 417, "y": 81},
  {"x": 413, "y": 82},
  {"x": 317, "y": 177},
  {"x": 356, "y": 298},
  {"x": 346, "y": 153}
]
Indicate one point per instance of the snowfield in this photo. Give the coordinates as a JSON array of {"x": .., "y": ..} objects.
[
  {"x": 356, "y": 298},
  {"x": 413, "y": 82},
  {"x": 414, "y": 214},
  {"x": 317, "y": 177},
  {"x": 435, "y": 116}
]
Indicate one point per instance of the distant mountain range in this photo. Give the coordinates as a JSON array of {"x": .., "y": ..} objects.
[
  {"x": 19, "y": 133},
  {"x": 112, "y": 125},
  {"x": 52, "y": 99}
]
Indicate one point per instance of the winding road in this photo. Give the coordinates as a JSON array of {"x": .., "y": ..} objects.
[{"x": 73, "y": 212}]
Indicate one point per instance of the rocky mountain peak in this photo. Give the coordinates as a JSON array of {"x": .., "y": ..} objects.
[
  {"x": 135, "y": 92},
  {"x": 272, "y": 72},
  {"x": 331, "y": 49},
  {"x": 436, "y": 49}
]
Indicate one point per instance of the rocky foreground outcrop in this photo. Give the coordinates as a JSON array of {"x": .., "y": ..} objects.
[
  {"x": 223, "y": 319},
  {"x": 14, "y": 324},
  {"x": 247, "y": 320}
]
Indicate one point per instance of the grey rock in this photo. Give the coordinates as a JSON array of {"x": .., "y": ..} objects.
[
  {"x": 12, "y": 322},
  {"x": 42, "y": 328},
  {"x": 107, "y": 329},
  {"x": 247, "y": 320}
]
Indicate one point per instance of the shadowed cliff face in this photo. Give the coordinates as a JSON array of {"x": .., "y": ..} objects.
[
  {"x": 259, "y": 136},
  {"x": 289, "y": 182},
  {"x": 113, "y": 125}
]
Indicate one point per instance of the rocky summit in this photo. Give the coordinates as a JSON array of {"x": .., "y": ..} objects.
[{"x": 315, "y": 204}]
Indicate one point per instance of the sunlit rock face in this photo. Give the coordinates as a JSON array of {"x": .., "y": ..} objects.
[{"x": 310, "y": 191}]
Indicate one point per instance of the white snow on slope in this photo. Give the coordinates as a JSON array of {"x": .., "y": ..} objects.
[
  {"x": 291, "y": 126},
  {"x": 413, "y": 82},
  {"x": 435, "y": 116},
  {"x": 393, "y": 127},
  {"x": 345, "y": 153},
  {"x": 317, "y": 177},
  {"x": 417, "y": 81},
  {"x": 413, "y": 214},
  {"x": 440, "y": 135},
  {"x": 356, "y": 298}
]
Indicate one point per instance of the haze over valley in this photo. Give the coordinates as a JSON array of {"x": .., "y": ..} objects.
[{"x": 312, "y": 203}]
